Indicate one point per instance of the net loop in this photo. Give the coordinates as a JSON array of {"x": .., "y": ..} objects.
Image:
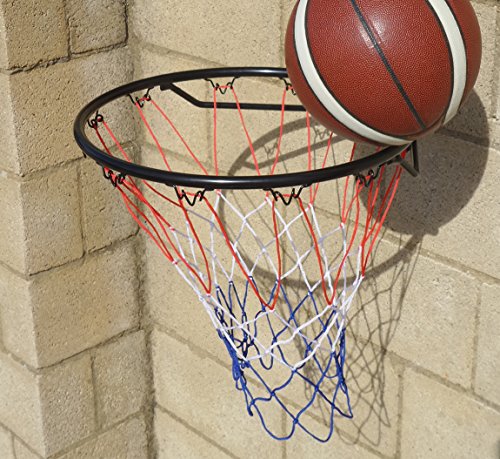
[
  {"x": 288, "y": 86},
  {"x": 141, "y": 101},
  {"x": 223, "y": 89},
  {"x": 370, "y": 177},
  {"x": 93, "y": 123},
  {"x": 198, "y": 196},
  {"x": 287, "y": 198}
]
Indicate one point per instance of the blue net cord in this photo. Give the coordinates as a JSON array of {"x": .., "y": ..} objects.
[{"x": 323, "y": 377}]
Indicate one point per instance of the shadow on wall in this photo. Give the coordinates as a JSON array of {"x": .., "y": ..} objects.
[{"x": 448, "y": 181}]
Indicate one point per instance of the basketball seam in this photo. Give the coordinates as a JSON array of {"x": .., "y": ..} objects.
[
  {"x": 387, "y": 65},
  {"x": 465, "y": 46},
  {"x": 450, "y": 54},
  {"x": 389, "y": 134},
  {"x": 454, "y": 33}
]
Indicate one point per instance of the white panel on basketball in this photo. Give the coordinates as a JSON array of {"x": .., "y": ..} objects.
[
  {"x": 321, "y": 91},
  {"x": 457, "y": 47}
]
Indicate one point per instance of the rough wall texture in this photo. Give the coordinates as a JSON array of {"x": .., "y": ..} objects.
[
  {"x": 73, "y": 362},
  {"x": 424, "y": 363},
  {"x": 82, "y": 318}
]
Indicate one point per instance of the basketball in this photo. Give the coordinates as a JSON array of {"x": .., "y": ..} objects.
[{"x": 383, "y": 72}]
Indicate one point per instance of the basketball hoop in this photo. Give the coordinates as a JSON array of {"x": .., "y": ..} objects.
[{"x": 276, "y": 276}]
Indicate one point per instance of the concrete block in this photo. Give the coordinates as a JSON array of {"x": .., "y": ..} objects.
[
  {"x": 29, "y": 209},
  {"x": 16, "y": 316},
  {"x": 441, "y": 422},
  {"x": 12, "y": 230},
  {"x": 3, "y": 43},
  {"x": 487, "y": 372},
  {"x": 51, "y": 202},
  {"x": 496, "y": 77},
  {"x": 191, "y": 122},
  {"x": 494, "y": 133},
  {"x": 67, "y": 402},
  {"x": 127, "y": 440},
  {"x": 96, "y": 24},
  {"x": 420, "y": 309},
  {"x": 46, "y": 140},
  {"x": 153, "y": 61},
  {"x": 374, "y": 389},
  {"x": 235, "y": 33},
  {"x": 20, "y": 404},
  {"x": 182, "y": 377},
  {"x": 8, "y": 152},
  {"x": 174, "y": 439},
  {"x": 6, "y": 444},
  {"x": 301, "y": 445},
  {"x": 44, "y": 308},
  {"x": 472, "y": 118},
  {"x": 288, "y": 6},
  {"x": 105, "y": 217},
  {"x": 174, "y": 305},
  {"x": 66, "y": 311},
  {"x": 35, "y": 31},
  {"x": 120, "y": 372},
  {"x": 85, "y": 304}
]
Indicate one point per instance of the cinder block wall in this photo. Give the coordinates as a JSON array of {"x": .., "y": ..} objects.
[
  {"x": 73, "y": 362},
  {"x": 85, "y": 302},
  {"x": 424, "y": 339}
]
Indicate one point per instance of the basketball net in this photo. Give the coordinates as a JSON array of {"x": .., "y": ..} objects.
[{"x": 276, "y": 283}]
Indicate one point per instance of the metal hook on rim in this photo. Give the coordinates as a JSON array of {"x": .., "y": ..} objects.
[
  {"x": 141, "y": 101},
  {"x": 287, "y": 199},
  {"x": 199, "y": 196},
  {"x": 222, "y": 88},
  {"x": 372, "y": 176},
  {"x": 94, "y": 122},
  {"x": 289, "y": 86},
  {"x": 115, "y": 179}
]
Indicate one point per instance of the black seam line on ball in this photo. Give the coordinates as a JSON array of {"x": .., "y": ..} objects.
[
  {"x": 330, "y": 90},
  {"x": 387, "y": 65}
]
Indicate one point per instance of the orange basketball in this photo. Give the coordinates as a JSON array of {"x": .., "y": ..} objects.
[{"x": 383, "y": 72}]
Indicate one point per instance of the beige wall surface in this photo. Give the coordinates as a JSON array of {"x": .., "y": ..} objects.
[
  {"x": 74, "y": 366},
  {"x": 105, "y": 353}
]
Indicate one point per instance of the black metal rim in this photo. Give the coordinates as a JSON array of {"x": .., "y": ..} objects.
[{"x": 167, "y": 82}]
